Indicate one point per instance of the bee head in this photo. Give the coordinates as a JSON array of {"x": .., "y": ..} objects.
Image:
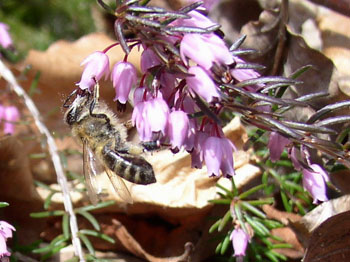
[{"x": 76, "y": 110}]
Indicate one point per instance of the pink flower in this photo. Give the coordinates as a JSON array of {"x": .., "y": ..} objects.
[
  {"x": 124, "y": 76},
  {"x": 197, "y": 156},
  {"x": 3, "y": 247},
  {"x": 314, "y": 181},
  {"x": 245, "y": 74},
  {"x": 96, "y": 65},
  {"x": 202, "y": 84},
  {"x": 148, "y": 60},
  {"x": 168, "y": 82},
  {"x": 5, "y": 233},
  {"x": 150, "y": 117},
  {"x": 276, "y": 145},
  {"x": 196, "y": 20},
  {"x": 294, "y": 157},
  {"x": 218, "y": 154},
  {"x": 178, "y": 126},
  {"x": 204, "y": 50},
  {"x": 5, "y": 38},
  {"x": 10, "y": 114},
  {"x": 240, "y": 241}
]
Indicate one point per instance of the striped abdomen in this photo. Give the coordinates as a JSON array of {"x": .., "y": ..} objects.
[{"x": 133, "y": 168}]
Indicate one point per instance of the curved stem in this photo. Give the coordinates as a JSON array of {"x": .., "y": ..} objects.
[{"x": 61, "y": 178}]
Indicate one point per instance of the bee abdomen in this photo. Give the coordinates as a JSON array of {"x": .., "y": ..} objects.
[{"x": 133, "y": 168}]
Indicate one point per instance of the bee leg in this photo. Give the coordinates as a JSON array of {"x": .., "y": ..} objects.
[
  {"x": 129, "y": 149},
  {"x": 68, "y": 98},
  {"x": 151, "y": 145},
  {"x": 91, "y": 109}
]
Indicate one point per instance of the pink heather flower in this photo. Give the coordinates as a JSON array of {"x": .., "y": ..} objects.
[
  {"x": 202, "y": 84},
  {"x": 191, "y": 136},
  {"x": 294, "y": 153},
  {"x": 2, "y": 111},
  {"x": 148, "y": 60},
  {"x": 96, "y": 65},
  {"x": 276, "y": 145},
  {"x": 10, "y": 114},
  {"x": 5, "y": 38},
  {"x": 196, "y": 20},
  {"x": 124, "y": 76},
  {"x": 167, "y": 83},
  {"x": 5, "y": 233},
  {"x": 178, "y": 126},
  {"x": 218, "y": 154},
  {"x": 3, "y": 247},
  {"x": 245, "y": 74},
  {"x": 150, "y": 117},
  {"x": 6, "y": 229},
  {"x": 314, "y": 181},
  {"x": 240, "y": 241},
  {"x": 204, "y": 50},
  {"x": 197, "y": 155}
]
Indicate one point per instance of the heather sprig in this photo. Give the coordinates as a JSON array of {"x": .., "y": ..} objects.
[
  {"x": 188, "y": 68},
  {"x": 190, "y": 77}
]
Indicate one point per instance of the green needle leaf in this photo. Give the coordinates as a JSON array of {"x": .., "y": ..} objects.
[{"x": 90, "y": 218}]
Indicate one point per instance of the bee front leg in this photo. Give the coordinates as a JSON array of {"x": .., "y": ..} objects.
[{"x": 91, "y": 111}]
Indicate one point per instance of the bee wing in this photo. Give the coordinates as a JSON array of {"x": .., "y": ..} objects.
[
  {"x": 119, "y": 186},
  {"x": 90, "y": 172}
]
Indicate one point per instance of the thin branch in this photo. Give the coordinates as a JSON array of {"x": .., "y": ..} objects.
[{"x": 61, "y": 178}]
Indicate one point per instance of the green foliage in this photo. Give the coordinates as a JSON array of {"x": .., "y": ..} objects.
[
  {"x": 64, "y": 239},
  {"x": 37, "y": 23},
  {"x": 244, "y": 208}
]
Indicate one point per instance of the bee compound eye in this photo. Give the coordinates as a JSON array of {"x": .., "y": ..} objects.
[{"x": 71, "y": 117}]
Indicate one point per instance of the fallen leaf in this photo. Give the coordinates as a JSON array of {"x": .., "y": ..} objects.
[
  {"x": 330, "y": 241},
  {"x": 314, "y": 218}
]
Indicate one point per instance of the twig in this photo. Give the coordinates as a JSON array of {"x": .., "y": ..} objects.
[
  {"x": 61, "y": 178},
  {"x": 281, "y": 37}
]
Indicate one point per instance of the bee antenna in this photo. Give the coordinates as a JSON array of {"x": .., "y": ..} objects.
[{"x": 69, "y": 97}]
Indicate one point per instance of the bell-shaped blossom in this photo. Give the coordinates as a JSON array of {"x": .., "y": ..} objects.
[
  {"x": 6, "y": 229},
  {"x": 196, "y": 20},
  {"x": 3, "y": 247},
  {"x": 5, "y": 38},
  {"x": 124, "y": 76},
  {"x": 276, "y": 145},
  {"x": 240, "y": 241},
  {"x": 148, "y": 60},
  {"x": 314, "y": 181},
  {"x": 96, "y": 66},
  {"x": 294, "y": 156},
  {"x": 178, "y": 126},
  {"x": 197, "y": 155},
  {"x": 189, "y": 142},
  {"x": 241, "y": 74},
  {"x": 150, "y": 117},
  {"x": 194, "y": 47},
  {"x": 167, "y": 87},
  {"x": 205, "y": 50},
  {"x": 218, "y": 154},
  {"x": 9, "y": 114},
  {"x": 5, "y": 233},
  {"x": 202, "y": 84}
]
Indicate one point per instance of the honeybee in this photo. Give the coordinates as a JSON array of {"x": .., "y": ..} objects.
[{"x": 105, "y": 145}]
